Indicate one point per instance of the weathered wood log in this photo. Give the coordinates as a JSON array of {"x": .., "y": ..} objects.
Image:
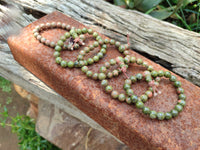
[{"x": 173, "y": 47}]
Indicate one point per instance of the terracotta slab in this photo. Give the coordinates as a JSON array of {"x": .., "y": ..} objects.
[{"x": 124, "y": 121}]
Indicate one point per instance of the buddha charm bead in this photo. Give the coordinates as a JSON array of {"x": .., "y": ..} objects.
[{"x": 76, "y": 38}]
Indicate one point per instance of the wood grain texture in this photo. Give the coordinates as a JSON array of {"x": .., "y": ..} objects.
[{"x": 171, "y": 46}]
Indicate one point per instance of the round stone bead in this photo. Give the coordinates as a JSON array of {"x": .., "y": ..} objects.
[
  {"x": 174, "y": 113},
  {"x": 139, "y": 104},
  {"x": 153, "y": 114},
  {"x": 89, "y": 73},
  {"x": 117, "y": 44},
  {"x": 128, "y": 100},
  {"x": 90, "y": 31},
  {"x": 154, "y": 74},
  {"x": 109, "y": 75},
  {"x": 103, "y": 69},
  {"x": 112, "y": 62},
  {"x": 160, "y": 73},
  {"x": 115, "y": 73},
  {"x": 70, "y": 64},
  {"x": 133, "y": 79},
  {"x": 181, "y": 102},
  {"x": 144, "y": 98},
  {"x": 100, "y": 55},
  {"x": 182, "y": 96},
  {"x": 139, "y": 76},
  {"x": 128, "y": 81},
  {"x": 146, "y": 110},
  {"x": 127, "y": 86},
  {"x": 95, "y": 76},
  {"x": 96, "y": 44},
  {"x": 109, "y": 89},
  {"x": 84, "y": 69},
  {"x": 101, "y": 76},
  {"x": 58, "y": 60},
  {"x": 90, "y": 61},
  {"x": 178, "y": 107},
  {"x": 103, "y": 50},
  {"x": 121, "y": 97},
  {"x": 134, "y": 98},
  {"x": 161, "y": 115},
  {"x": 114, "y": 94},
  {"x": 122, "y": 48},
  {"x": 63, "y": 63},
  {"x": 58, "y": 48},
  {"x": 177, "y": 83},
  {"x": 107, "y": 65},
  {"x": 172, "y": 78},
  {"x": 96, "y": 58},
  {"x": 84, "y": 30},
  {"x": 150, "y": 68},
  {"x": 67, "y": 35},
  {"x": 56, "y": 54},
  {"x": 139, "y": 61},
  {"x": 168, "y": 115},
  {"x": 180, "y": 90},
  {"x": 167, "y": 74},
  {"x": 129, "y": 92},
  {"x": 60, "y": 43},
  {"x": 106, "y": 41},
  {"x": 132, "y": 59},
  {"x": 104, "y": 83},
  {"x": 112, "y": 42}
]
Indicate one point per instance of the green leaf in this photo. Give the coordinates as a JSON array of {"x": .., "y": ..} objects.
[
  {"x": 145, "y": 5},
  {"x": 163, "y": 13},
  {"x": 130, "y": 4}
]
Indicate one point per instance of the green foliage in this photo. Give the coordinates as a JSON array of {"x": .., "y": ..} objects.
[
  {"x": 24, "y": 127},
  {"x": 5, "y": 85},
  {"x": 184, "y": 13}
]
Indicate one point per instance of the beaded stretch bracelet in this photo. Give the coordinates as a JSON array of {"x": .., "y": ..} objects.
[{"x": 76, "y": 38}]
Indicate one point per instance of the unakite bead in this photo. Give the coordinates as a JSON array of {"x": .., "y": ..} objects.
[
  {"x": 161, "y": 115},
  {"x": 178, "y": 107},
  {"x": 139, "y": 104},
  {"x": 63, "y": 38},
  {"x": 106, "y": 41},
  {"x": 109, "y": 75},
  {"x": 149, "y": 93},
  {"x": 101, "y": 42},
  {"x": 144, "y": 98},
  {"x": 150, "y": 68},
  {"x": 90, "y": 31},
  {"x": 79, "y": 31},
  {"x": 154, "y": 74},
  {"x": 89, "y": 73},
  {"x": 95, "y": 34},
  {"x": 174, "y": 113},
  {"x": 70, "y": 64},
  {"x": 126, "y": 60},
  {"x": 82, "y": 37},
  {"x": 182, "y": 96},
  {"x": 86, "y": 49},
  {"x": 181, "y": 102},
  {"x": 103, "y": 51},
  {"x": 84, "y": 69},
  {"x": 103, "y": 69},
  {"x": 104, "y": 46},
  {"x": 146, "y": 110},
  {"x": 67, "y": 34},
  {"x": 167, "y": 74},
  {"x": 129, "y": 92},
  {"x": 96, "y": 58},
  {"x": 134, "y": 98},
  {"x": 60, "y": 43},
  {"x": 139, "y": 61},
  {"x": 58, "y": 48},
  {"x": 160, "y": 73},
  {"x": 91, "y": 47},
  {"x": 90, "y": 61},
  {"x": 128, "y": 81},
  {"x": 148, "y": 78},
  {"x": 96, "y": 44},
  {"x": 121, "y": 48},
  {"x": 104, "y": 83},
  {"x": 153, "y": 114},
  {"x": 107, "y": 65},
  {"x": 100, "y": 55},
  {"x": 109, "y": 89},
  {"x": 63, "y": 63},
  {"x": 168, "y": 115},
  {"x": 139, "y": 76},
  {"x": 101, "y": 76},
  {"x": 133, "y": 79},
  {"x": 172, "y": 78},
  {"x": 180, "y": 90},
  {"x": 95, "y": 76},
  {"x": 145, "y": 64},
  {"x": 127, "y": 86},
  {"x": 117, "y": 44},
  {"x": 177, "y": 83},
  {"x": 112, "y": 62},
  {"x": 56, "y": 54},
  {"x": 81, "y": 63},
  {"x": 112, "y": 42},
  {"x": 128, "y": 100},
  {"x": 115, "y": 73},
  {"x": 58, "y": 60},
  {"x": 132, "y": 59},
  {"x": 84, "y": 30},
  {"x": 114, "y": 94},
  {"x": 74, "y": 35},
  {"x": 121, "y": 97}
]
